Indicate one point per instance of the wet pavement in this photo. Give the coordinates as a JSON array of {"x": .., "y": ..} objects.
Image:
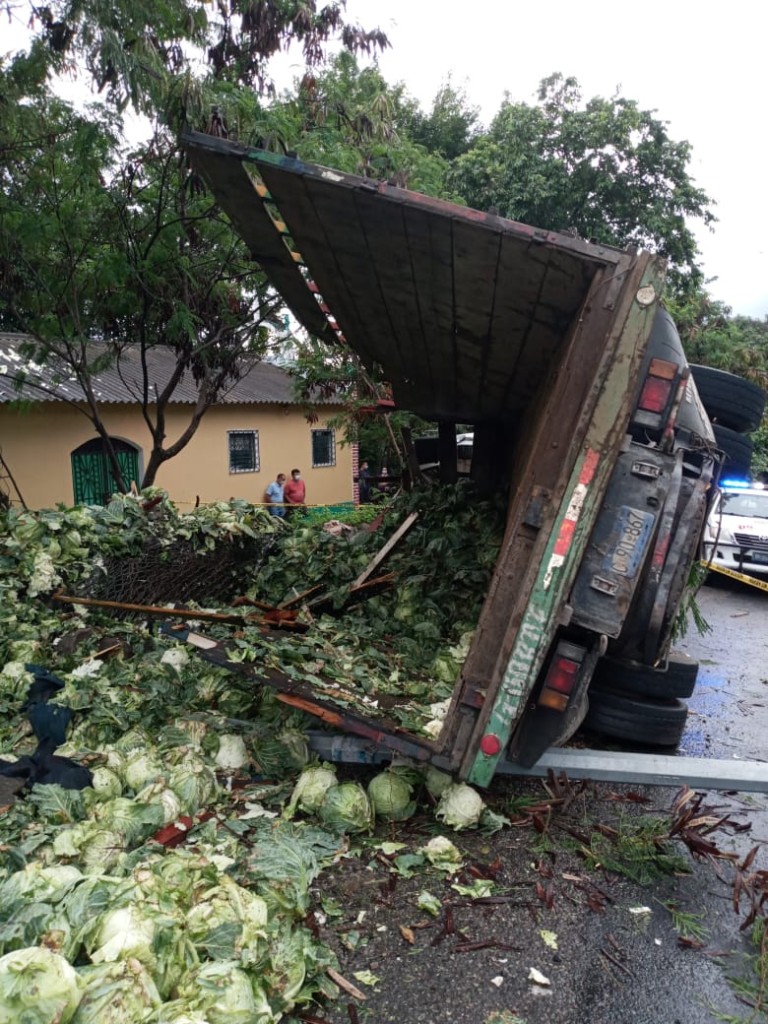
[{"x": 612, "y": 964}]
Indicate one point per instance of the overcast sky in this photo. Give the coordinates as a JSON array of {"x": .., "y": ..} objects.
[{"x": 701, "y": 67}]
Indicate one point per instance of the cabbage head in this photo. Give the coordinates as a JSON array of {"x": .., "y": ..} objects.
[
  {"x": 460, "y": 806},
  {"x": 105, "y": 782},
  {"x": 159, "y": 794},
  {"x": 232, "y": 753},
  {"x": 123, "y": 933},
  {"x": 390, "y": 796},
  {"x": 116, "y": 993},
  {"x": 37, "y": 986},
  {"x": 436, "y": 781},
  {"x": 194, "y": 783},
  {"x": 311, "y": 788},
  {"x": 229, "y": 923},
  {"x": 346, "y": 808},
  {"x": 141, "y": 932},
  {"x": 37, "y": 883},
  {"x": 141, "y": 769},
  {"x": 135, "y": 819},
  {"x": 225, "y": 994}
]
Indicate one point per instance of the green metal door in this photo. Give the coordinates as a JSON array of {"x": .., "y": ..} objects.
[{"x": 92, "y": 477}]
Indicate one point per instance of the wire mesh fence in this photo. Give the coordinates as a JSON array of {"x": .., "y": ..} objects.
[{"x": 179, "y": 573}]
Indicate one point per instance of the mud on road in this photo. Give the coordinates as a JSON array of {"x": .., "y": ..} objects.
[{"x": 609, "y": 946}]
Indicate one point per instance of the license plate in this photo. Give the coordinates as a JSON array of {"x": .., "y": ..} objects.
[
  {"x": 633, "y": 531},
  {"x": 761, "y": 557}
]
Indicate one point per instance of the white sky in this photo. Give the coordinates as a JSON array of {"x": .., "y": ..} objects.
[{"x": 701, "y": 66}]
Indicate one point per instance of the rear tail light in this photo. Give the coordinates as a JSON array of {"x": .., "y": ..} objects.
[
  {"x": 559, "y": 684},
  {"x": 658, "y": 386}
]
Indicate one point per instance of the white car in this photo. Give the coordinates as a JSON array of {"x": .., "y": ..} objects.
[{"x": 736, "y": 534}]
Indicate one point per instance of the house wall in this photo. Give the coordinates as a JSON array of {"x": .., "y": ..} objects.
[{"x": 36, "y": 445}]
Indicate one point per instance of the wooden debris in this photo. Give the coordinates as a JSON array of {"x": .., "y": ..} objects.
[
  {"x": 347, "y": 986},
  {"x": 379, "y": 557}
]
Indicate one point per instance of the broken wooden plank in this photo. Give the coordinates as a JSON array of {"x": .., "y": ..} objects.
[
  {"x": 356, "y": 593},
  {"x": 400, "y": 532}
]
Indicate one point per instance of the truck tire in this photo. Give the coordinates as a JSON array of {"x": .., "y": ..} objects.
[
  {"x": 737, "y": 448},
  {"x": 732, "y": 401},
  {"x": 656, "y": 723},
  {"x": 678, "y": 680}
]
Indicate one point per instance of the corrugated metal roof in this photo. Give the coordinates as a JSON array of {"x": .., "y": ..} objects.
[{"x": 262, "y": 383}]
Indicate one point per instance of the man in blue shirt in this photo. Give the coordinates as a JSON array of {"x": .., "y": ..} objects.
[{"x": 276, "y": 496}]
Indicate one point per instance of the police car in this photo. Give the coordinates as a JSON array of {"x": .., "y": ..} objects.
[{"x": 736, "y": 533}]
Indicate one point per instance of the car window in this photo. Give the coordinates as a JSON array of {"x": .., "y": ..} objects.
[{"x": 753, "y": 505}]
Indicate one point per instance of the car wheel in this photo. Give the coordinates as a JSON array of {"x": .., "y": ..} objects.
[
  {"x": 655, "y": 722},
  {"x": 737, "y": 448},
  {"x": 678, "y": 680},
  {"x": 732, "y": 401}
]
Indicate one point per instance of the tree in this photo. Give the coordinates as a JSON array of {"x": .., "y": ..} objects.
[
  {"x": 605, "y": 169},
  {"x": 350, "y": 118},
  {"x": 100, "y": 252},
  {"x": 450, "y": 126},
  {"x": 102, "y": 248},
  {"x": 154, "y": 55}
]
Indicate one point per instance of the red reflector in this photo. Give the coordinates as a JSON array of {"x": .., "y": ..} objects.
[
  {"x": 562, "y": 675},
  {"x": 655, "y": 394},
  {"x": 490, "y": 744}
]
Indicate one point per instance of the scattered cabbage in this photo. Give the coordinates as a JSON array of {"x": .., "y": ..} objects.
[
  {"x": 232, "y": 752},
  {"x": 437, "y": 781},
  {"x": 194, "y": 783},
  {"x": 116, "y": 993},
  {"x": 126, "y": 932},
  {"x": 160, "y": 795},
  {"x": 37, "y": 883},
  {"x": 105, "y": 782},
  {"x": 229, "y": 923},
  {"x": 225, "y": 994},
  {"x": 141, "y": 769},
  {"x": 177, "y": 658},
  {"x": 442, "y": 854},
  {"x": 311, "y": 788},
  {"x": 295, "y": 742},
  {"x": 102, "y": 850},
  {"x": 346, "y": 808},
  {"x": 134, "y": 819},
  {"x": 390, "y": 796},
  {"x": 37, "y": 986},
  {"x": 460, "y": 806}
]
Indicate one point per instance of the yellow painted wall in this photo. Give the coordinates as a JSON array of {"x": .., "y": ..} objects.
[{"x": 36, "y": 445}]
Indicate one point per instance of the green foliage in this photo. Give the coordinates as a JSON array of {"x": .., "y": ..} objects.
[
  {"x": 146, "y": 54},
  {"x": 638, "y": 848},
  {"x": 351, "y": 119},
  {"x": 450, "y": 126},
  {"x": 605, "y": 169},
  {"x": 688, "y": 925}
]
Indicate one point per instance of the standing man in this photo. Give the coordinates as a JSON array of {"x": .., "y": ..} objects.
[
  {"x": 295, "y": 492},
  {"x": 364, "y": 482},
  {"x": 276, "y": 496}
]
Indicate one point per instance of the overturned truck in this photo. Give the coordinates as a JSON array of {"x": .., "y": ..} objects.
[{"x": 573, "y": 377}]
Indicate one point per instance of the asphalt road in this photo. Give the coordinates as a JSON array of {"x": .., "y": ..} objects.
[{"x": 613, "y": 964}]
